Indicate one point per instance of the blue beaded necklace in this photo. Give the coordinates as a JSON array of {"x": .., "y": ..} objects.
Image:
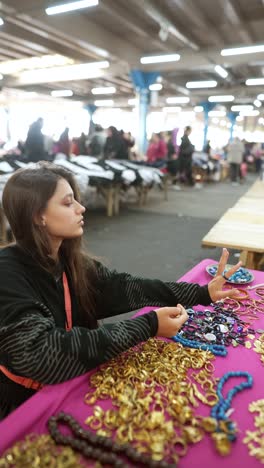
[
  {"x": 217, "y": 350},
  {"x": 219, "y": 411}
]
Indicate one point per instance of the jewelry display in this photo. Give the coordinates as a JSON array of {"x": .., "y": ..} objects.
[
  {"x": 98, "y": 447},
  {"x": 225, "y": 432},
  {"x": 259, "y": 346},
  {"x": 254, "y": 439},
  {"x": 161, "y": 424},
  {"x": 213, "y": 330},
  {"x": 40, "y": 451}
]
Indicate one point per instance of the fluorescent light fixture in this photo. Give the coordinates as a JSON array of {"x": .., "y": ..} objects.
[
  {"x": 216, "y": 113},
  {"x": 11, "y": 67},
  {"x": 225, "y": 98},
  {"x": 80, "y": 71},
  {"x": 239, "y": 108},
  {"x": 201, "y": 84},
  {"x": 132, "y": 101},
  {"x": 255, "y": 82},
  {"x": 155, "y": 87},
  {"x": 198, "y": 109},
  {"x": 221, "y": 71},
  {"x": 260, "y": 97},
  {"x": 105, "y": 90},
  {"x": 172, "y": 109},
  {"x": 1, "y": 21},
  {"x": 249, "y": 113},
  {"x": 104, "y": 103},
  {"x": 62, "y": 93},
  {"x": 243, "y": 50},
  {"x": 72, "y": 6},
  {"x": 257, "y": 103},
  {"x": 160, "y": 58},
  {"x": 178, "y": 100}
]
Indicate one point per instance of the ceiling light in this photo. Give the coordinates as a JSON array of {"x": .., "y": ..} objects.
[
  {"x": 238, "y": 108},
  {"x": 105, "y": 90},
  {"x": 225, "y": 98},
  {"x": 132, "y": 101},
  {"x": 201, "y": 84},
  {"x": 104, "y": 102},
  {"x": 172, "y": 109},
  {"x": 54, "y": 10},
  {"x": 260, "y": 97},
  {"x": 221, "y": 71},
  {"x": 216, "y": 113},
  {"x": 160, "y": 58},
  {"x": 249, "y": 113},
  {"x": 1, "y": 21},
  {"x": 243, "y": 50},
  {"x": 81, "y": 71},
  {"x": 62, "y": 93},
  {"x": 198, "y": 109},
  {"x": 257, "y": 103},
  {"x": 155, "y": 87},
  {"x": 255, "y": 82},
  {"x": 10, "y": 67},
  {"x": 178, "y": 100}
]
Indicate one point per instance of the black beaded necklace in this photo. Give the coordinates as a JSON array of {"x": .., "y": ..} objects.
[{"x": 99, "y": 448}]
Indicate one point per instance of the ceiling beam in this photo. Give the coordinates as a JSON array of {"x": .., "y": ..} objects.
[
  {"x": 231, "y": 12},
  {"x": 196, "y": 16},
  {"x": 164, "y": 22}
]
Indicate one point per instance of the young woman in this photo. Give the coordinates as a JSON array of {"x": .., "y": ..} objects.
[{"x": 52, "y": 295}]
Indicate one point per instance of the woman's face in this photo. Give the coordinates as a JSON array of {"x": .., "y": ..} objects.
[{"x": 63, "y": 217}]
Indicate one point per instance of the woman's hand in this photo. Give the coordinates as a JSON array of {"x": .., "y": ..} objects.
[
  {"x": 170, "y": 320},
  {"x": 215, "y": 287}
]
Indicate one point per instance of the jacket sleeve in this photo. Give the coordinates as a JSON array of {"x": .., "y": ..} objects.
[
  {"x": 121, "y": 292},
  {"x": 32, "y": 346}
]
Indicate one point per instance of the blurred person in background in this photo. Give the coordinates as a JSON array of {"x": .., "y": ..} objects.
[
  {"x": 235, "y": 151},
  {"x": 34, "y": 145},
  {"x": 97, "y": 142},
  {"x": 83, "y": 143},
  {"x": 185, "y": 156},
  {"x": 64, "y": 144},
  {"x": 115, "y": 146},
  {"x": 157, "y": 150}
]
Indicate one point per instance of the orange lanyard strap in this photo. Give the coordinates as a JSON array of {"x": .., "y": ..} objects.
[
  {"x": 29, "y": 383},
  {"x": 67, "y": 302}
]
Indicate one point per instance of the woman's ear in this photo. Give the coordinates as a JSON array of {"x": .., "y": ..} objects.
[{"x": 39, "y": 220}]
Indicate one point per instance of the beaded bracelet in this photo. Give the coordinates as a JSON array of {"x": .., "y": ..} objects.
[
  {"x": 226, "y": 429},
  {"x": 217, "y": 350},
  {"x": 98, "y": 447}
]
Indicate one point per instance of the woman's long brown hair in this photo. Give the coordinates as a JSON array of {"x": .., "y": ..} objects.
[{"x": 25, "y": 198}]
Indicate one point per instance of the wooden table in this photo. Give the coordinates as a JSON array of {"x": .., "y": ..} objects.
[{"x": 242, "y": 228}]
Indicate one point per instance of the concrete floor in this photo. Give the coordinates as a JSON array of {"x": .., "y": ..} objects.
[{"x": 163, "y": 238}]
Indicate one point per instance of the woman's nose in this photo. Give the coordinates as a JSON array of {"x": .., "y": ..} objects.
[{"x": 80, "y": 208}]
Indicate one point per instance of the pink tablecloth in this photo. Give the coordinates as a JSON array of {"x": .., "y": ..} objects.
[{"x": 68, "y": 396}]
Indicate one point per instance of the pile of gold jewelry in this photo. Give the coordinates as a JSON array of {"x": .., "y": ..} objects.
[
  {"x": 259, "y": 347},
  {"x": 39, "y": 451},
  {"x": 255, "y": 439},
  {"x": 154, "y": 398}
]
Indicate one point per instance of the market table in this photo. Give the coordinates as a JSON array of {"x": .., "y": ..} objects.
[
  {"x": 32, "y": 416},
  {"x": 242, "y": 228}
]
